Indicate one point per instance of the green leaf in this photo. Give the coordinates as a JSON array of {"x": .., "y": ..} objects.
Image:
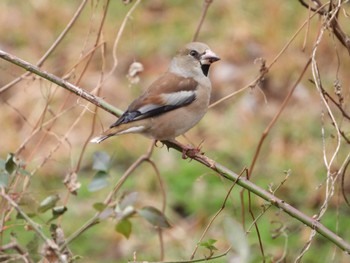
[
  {"x": 99, "y": 206},
  {"x": 101, "y": 161},
  {"x": 124, "y": 227},
  {"x": 154, "y": 216},
  {"x": 209, "y": 244},
  {"x": 99, "y": 181},
  {"x": 48, "y": 203},
  {"x": 10, "y": 164},
  {"x": 59, "y": 210}
]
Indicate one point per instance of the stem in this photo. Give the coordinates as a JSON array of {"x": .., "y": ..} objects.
[
  {"x": 218, "y": 168},
  {"x": 64, "y": 84}
]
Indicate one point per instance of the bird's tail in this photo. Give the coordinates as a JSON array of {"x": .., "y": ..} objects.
[
  {"x": 100, "y": 138},
  {"x": 117, "y": 130}
]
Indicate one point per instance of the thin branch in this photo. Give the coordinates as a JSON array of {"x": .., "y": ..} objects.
[
  {"x": 275, "y": 201},
  {"x": 205, "y": 259},
  {"x": 214, "y": 217},
  {"x": 264, "y": 70},
  {"x": 255, "y": 223},
  {"x": 99, "y": 33},
  {"x": 275, "y": 118},
  {"x": 15, "y": 246},
  {"x": 95, "y": 219},
  {"x": 64, "y": 84},
  {"x": 51, "y": 49},
  {"x": 119, "y": 35},
  {"x": 50, "y": 243},
  {"x": 206, "y": 5},
  {"x": 218, "y": 168},
  {"x": 343, "y": 182},
  {"x": 333, "y": 22}
]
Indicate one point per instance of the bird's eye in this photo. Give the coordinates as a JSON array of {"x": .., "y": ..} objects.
[{"x": 193, "y": 53}]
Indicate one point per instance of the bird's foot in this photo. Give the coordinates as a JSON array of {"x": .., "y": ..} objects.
[{"x": 156, "y": 144}]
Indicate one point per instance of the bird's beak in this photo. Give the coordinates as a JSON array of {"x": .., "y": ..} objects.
[{"x": 208, "y": 57}]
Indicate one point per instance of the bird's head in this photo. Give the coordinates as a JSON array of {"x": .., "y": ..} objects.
[{"x": 193, "y": 59}]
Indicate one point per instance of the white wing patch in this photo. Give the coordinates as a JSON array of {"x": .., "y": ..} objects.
[
  {"x": 148, "y": 107},
  {"x": 177, "y": 98},
  {"x": 170, "y": 99},
  {"x": 133, "y": 130}
]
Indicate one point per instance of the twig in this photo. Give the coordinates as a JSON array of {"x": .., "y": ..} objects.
[
  {"x": 205, "y": 259},
  {"x": 266, "y": 207},
  {"x": 50, "y": 243},
  {"x": 64, "y": 84},
  {"x": 330, "y": 181},
  {"x": 119, "y": 35},
  {"x": 218, "y": 168},
  {"x": 206, "y": 5},
  {"x": 162, "y": 188},
  {"x": 51, "y": 49},
  {"x": 96, "y": 43},
  {"x": 275, "y": 118},
  {"x": 15, "y": 246},
  {"x": 214, "y": 217},
  {"x": 255, "y": 223},
  {"x": 343, "y": 182},
  {"x": 337, "y": 30},
  {"x": 262, "y": 74},
  {"x": 275, "y": 201},
  {"x": 95, "y": 219}
]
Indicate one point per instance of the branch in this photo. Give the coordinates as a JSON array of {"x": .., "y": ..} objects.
[
  {"x": 50, "y": 243},
  {"x": 333, "y": 22},
  {"x": 60, "y": 82},
  {"x": 218, "y": 168},
  {"x": 51, "y": 49},
  {"x": 206, "y": 5}
]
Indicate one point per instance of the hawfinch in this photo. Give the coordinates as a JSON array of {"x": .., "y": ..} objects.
[{"x": 175, "y": 102}]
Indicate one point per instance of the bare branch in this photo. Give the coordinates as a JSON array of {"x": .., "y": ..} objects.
[
  {"x": 206, "y": 5},
  {"x": 218, "y": 168},
  {"x": 64, "y": 84},
  {"x": 51, "y": 49}
]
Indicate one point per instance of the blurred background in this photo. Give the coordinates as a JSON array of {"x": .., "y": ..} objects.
[{"x": 47, "y": 127}]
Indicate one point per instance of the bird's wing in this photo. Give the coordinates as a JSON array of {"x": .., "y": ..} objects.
[{"x": 167, "y": 93}]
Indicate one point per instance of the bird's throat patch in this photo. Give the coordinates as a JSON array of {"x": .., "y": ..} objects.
[{"x": 205, "y": 69}]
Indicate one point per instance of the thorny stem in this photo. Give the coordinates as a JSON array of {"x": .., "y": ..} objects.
[{"x": 218, "y": 168}]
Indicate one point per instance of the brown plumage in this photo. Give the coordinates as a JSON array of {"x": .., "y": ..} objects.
[{"x": 175, "y": 102}]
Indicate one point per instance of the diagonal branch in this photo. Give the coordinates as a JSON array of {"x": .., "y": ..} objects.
[
  {"x": 60, "y": 82},
  {"x": 217, "y": 167}
]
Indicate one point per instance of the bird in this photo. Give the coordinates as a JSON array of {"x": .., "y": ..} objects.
[{"x": 173, "y": 103}]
